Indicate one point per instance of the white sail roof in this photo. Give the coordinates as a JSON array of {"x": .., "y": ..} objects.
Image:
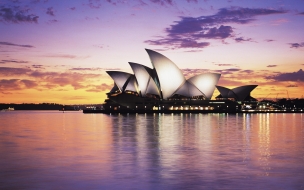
[
  {"x": 205, "y": 83},
  {"x": 152, "y": 88},
  {"x": 120, "y": 78},
  {"x": 131, "y": 84},
  {"x": 169, "y": 75},
  {"x": 144, "y": 79},
  {"x": 166, "y": 79},
  {"x": 189, "y": 90}
]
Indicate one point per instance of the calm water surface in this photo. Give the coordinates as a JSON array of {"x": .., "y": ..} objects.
[{"x": 72, "y": 150}]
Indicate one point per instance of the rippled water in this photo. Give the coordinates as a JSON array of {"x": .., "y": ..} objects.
[{"x": 72, "y": 150}]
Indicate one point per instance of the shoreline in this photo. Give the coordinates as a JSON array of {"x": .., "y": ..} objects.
[{"x": 184, "y": 111}]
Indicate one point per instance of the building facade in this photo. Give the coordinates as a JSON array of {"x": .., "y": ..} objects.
[{"x": 164, "y": 87}]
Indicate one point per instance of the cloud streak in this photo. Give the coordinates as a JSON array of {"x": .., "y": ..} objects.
[
  {"x": 85, "y": 69},
  {"x": 223, "y": 64},
  {"x": 269, "y": 40},
  {"x": 191, "y": 32},
  {"x": 11, "y": 71},
  {"x": 17, "y": 45},
  {"x": 12, "y": 61},
  {"x": 241, "y": 39},
  {"x": 294, "y": 76},
  {"x": 22, "y": 78},
  {"x": 66, "y": 56},
  {"x": 296, "y": 45},
  {"x": 16, "y": 84},
  {"x": 162, "y": 2}
]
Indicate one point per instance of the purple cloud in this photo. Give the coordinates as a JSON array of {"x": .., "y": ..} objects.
[
  {"x": 187, "y": 43},
  {"x": 241, "y": 39},
  {"x": 18, "y": 45},
  {"x": 162, "y": 2},
  {"x": 292, "y": 86},
  {"x": 15, "y": 15},
  {"x": 35, "y": 78},
  {"x": 302, "y": 13},
  {"x": 12, "y": 61},
  {"x": 198, "y": 29},
  {"x": 295, "y": 76},
  {"x": 296, "y": 45},
  {"x": 50, "y": 11},
  {"x": 52, "y": 21},
  {"x": 67, "y": 56},
  {"x": 94, "y": 4},
  {"x": 190, "y": 1},
  {"x": 29, "y": 83},
  {"x": 16, "y": 84},
  {"x": 37, "y": 66},
  {"x": 37, "y": 1},
  {"x": 232, "y": 69},
  {"x": 269, "y": 40},
  {"x": 179, "y": 43},
  {"x": 55, "y": 79},
  {"x": 84, "y": 69},
  {"x": 229, "y": 71},
  {"x": 221, "y": 32},
  {"x": 11, "y": 71},
  {"x": 224, "y": 65},
  {"x": 247, "y": 71}
]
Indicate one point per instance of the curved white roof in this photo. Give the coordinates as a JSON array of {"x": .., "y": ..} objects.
[
  {"x": 131, "y": 84},
  {"x": 189, "y": 90},
  {"x": 169, "y": 75},
  {"x": 152, "y": 88},
  {"x": 120, "y": 78},
  {"x": 166, "y": 79},
  {"x": 205, "y": 83},
  {"x": 144, "y": 79}
]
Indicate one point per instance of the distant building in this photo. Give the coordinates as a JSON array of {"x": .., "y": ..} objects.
[{"x": 165, "y": 88}]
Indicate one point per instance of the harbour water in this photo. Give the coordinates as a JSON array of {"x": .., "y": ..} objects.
[{"x": 72, "y": 150}]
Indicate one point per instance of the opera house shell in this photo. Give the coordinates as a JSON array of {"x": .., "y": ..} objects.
[
  {"x": 164, "y": 85},
  {"x": 164, "y": 80},
  {"x": 240, "y": 93}
]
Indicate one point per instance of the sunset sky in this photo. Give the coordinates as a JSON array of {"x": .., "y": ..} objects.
[{"x": 58, "y": 51}]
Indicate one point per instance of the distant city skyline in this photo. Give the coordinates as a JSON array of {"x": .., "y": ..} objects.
[{"x": 58, "y": 51}]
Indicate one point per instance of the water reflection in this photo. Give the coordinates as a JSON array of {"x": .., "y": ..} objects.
[
  {"x": 264, "y": 140},
  {"x": 151, "y": 151}
]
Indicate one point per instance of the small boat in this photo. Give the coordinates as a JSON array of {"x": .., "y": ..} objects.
[{"x": 9, "y": 109}]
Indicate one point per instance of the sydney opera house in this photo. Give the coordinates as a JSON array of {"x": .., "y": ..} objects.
[{"x": 164, "y": 87}]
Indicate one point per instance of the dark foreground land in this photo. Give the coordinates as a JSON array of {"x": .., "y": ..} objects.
[
  {"x": 42, "y": 106},
  {"x": 187, "y": 111}
]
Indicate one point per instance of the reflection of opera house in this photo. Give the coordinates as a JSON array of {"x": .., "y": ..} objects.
[{"x": 165, "y": 88}]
